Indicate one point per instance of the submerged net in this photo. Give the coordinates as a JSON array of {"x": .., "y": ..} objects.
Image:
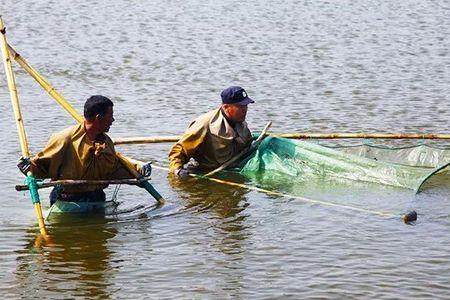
[
  {"x": 415, "y": 155},
  {"x": 279, "y": 159}
]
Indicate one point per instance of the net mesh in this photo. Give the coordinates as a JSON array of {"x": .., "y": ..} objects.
[{"x": 408, "y": 167}]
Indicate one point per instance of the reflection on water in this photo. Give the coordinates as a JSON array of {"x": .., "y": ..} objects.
[
  {"x": 73, "y": 260},
  {"x": 225, "y": 210},
  {"x": 204, "y": 194},
  {"x": 225, "y": 203}
]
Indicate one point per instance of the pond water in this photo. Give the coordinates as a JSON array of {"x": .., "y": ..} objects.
[{"x": 319, "y": 66}]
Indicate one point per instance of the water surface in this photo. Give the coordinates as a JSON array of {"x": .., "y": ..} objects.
[{"x": 348, "y": 66}]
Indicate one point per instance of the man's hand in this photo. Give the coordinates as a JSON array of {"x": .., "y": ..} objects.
[
  {"x": 182, "y": 173},
  {"x": 24, "y": 165},
  {"x": 146, "y": 170}
]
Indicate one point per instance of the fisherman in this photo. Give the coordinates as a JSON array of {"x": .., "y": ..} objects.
[
  {"x": 214, "y": 137},
  {"x": 82, "y": 152}
]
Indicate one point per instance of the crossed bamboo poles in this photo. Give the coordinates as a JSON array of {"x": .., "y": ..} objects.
[
  {"x": 73, "y": 112},
  {"x": 8, "y": 54}
]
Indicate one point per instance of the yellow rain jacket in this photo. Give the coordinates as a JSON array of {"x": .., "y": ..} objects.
[
  {"x": 70, "y": 154},
  {"x": 211, "y": 141}
]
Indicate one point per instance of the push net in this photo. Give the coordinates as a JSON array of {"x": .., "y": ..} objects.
[{"x": 280, "y": 159}]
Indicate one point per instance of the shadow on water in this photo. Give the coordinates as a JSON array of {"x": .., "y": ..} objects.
[
  {"x": 223, "y": 204},
  {"x": 221, "y": 211},
  {"x": 204, "y": 195},
  {"x": 75, "y": 260}
]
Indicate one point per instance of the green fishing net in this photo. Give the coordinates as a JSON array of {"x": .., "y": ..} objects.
[{"x": 279, "y": 159}]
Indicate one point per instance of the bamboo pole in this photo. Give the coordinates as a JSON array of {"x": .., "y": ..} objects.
[
  {"x": 45, "y": 84},
  {"x": 73, "y": 112},
  {"x": 306, "y": 135},
  {"x": 146, "y": 185},
  {"x": 419, "y": 136},
  {"x": 69, "y": 182},
  {"x": 146, "y": 140},
  {"x": 31, "y": 180}
]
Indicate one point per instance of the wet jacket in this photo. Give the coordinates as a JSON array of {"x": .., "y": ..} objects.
[
  {"x": 70, "y": 154},
  {"x": 211, "y": 141}
]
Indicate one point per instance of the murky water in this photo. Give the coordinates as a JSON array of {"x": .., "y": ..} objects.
[{"x": 322, "y": 66}]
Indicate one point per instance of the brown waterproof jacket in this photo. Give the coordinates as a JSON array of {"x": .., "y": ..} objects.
[
  {"x": 211, "y": 141},
  {"x": 70, "y": 154}
]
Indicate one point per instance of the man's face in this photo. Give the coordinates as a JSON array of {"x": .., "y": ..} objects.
[
  {"x": 105, "y": 120},
  {"x": 236, "y": 112}
]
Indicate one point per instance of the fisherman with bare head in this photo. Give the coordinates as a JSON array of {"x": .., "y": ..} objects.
[{"x": 82, "y": 152}]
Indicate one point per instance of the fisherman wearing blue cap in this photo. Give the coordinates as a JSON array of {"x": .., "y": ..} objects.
[{"x": 214, "y": 137}]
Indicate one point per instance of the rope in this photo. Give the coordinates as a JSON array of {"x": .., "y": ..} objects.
[
  {"x": 303, "y": 199},
  {"x": 407, "y": 218}
]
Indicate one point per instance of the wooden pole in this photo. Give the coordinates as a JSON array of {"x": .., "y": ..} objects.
[
  {"x": 73, "y": 112},
  {"x": 146, "y": 140},
  {"x": 45, "y": 84},
  {"x": 20, "y": 127},
  {"x": 68, "y": 182},
  {"x": 418, "y": 136},
  {"x": 147, "y": 186},
  {"x": 306, "y": 135}
]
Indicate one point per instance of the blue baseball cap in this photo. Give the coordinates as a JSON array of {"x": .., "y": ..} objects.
[{"x": 235, "y": 95}]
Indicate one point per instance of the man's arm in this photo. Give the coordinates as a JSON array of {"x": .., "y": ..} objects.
[
  {"x": 120, "y": 171},
  {"x": 186, "y": 147},
  {"x": 46, "y": 163}
]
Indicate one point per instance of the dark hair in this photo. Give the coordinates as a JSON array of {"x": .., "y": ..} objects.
[{"x": 96, "y": 105}]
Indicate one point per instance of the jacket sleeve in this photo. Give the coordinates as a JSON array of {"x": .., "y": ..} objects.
[
  {"x": 187, "y": 146},
  {"x": 46, "y": 164},
  {"x": 120, "y": 171}
]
